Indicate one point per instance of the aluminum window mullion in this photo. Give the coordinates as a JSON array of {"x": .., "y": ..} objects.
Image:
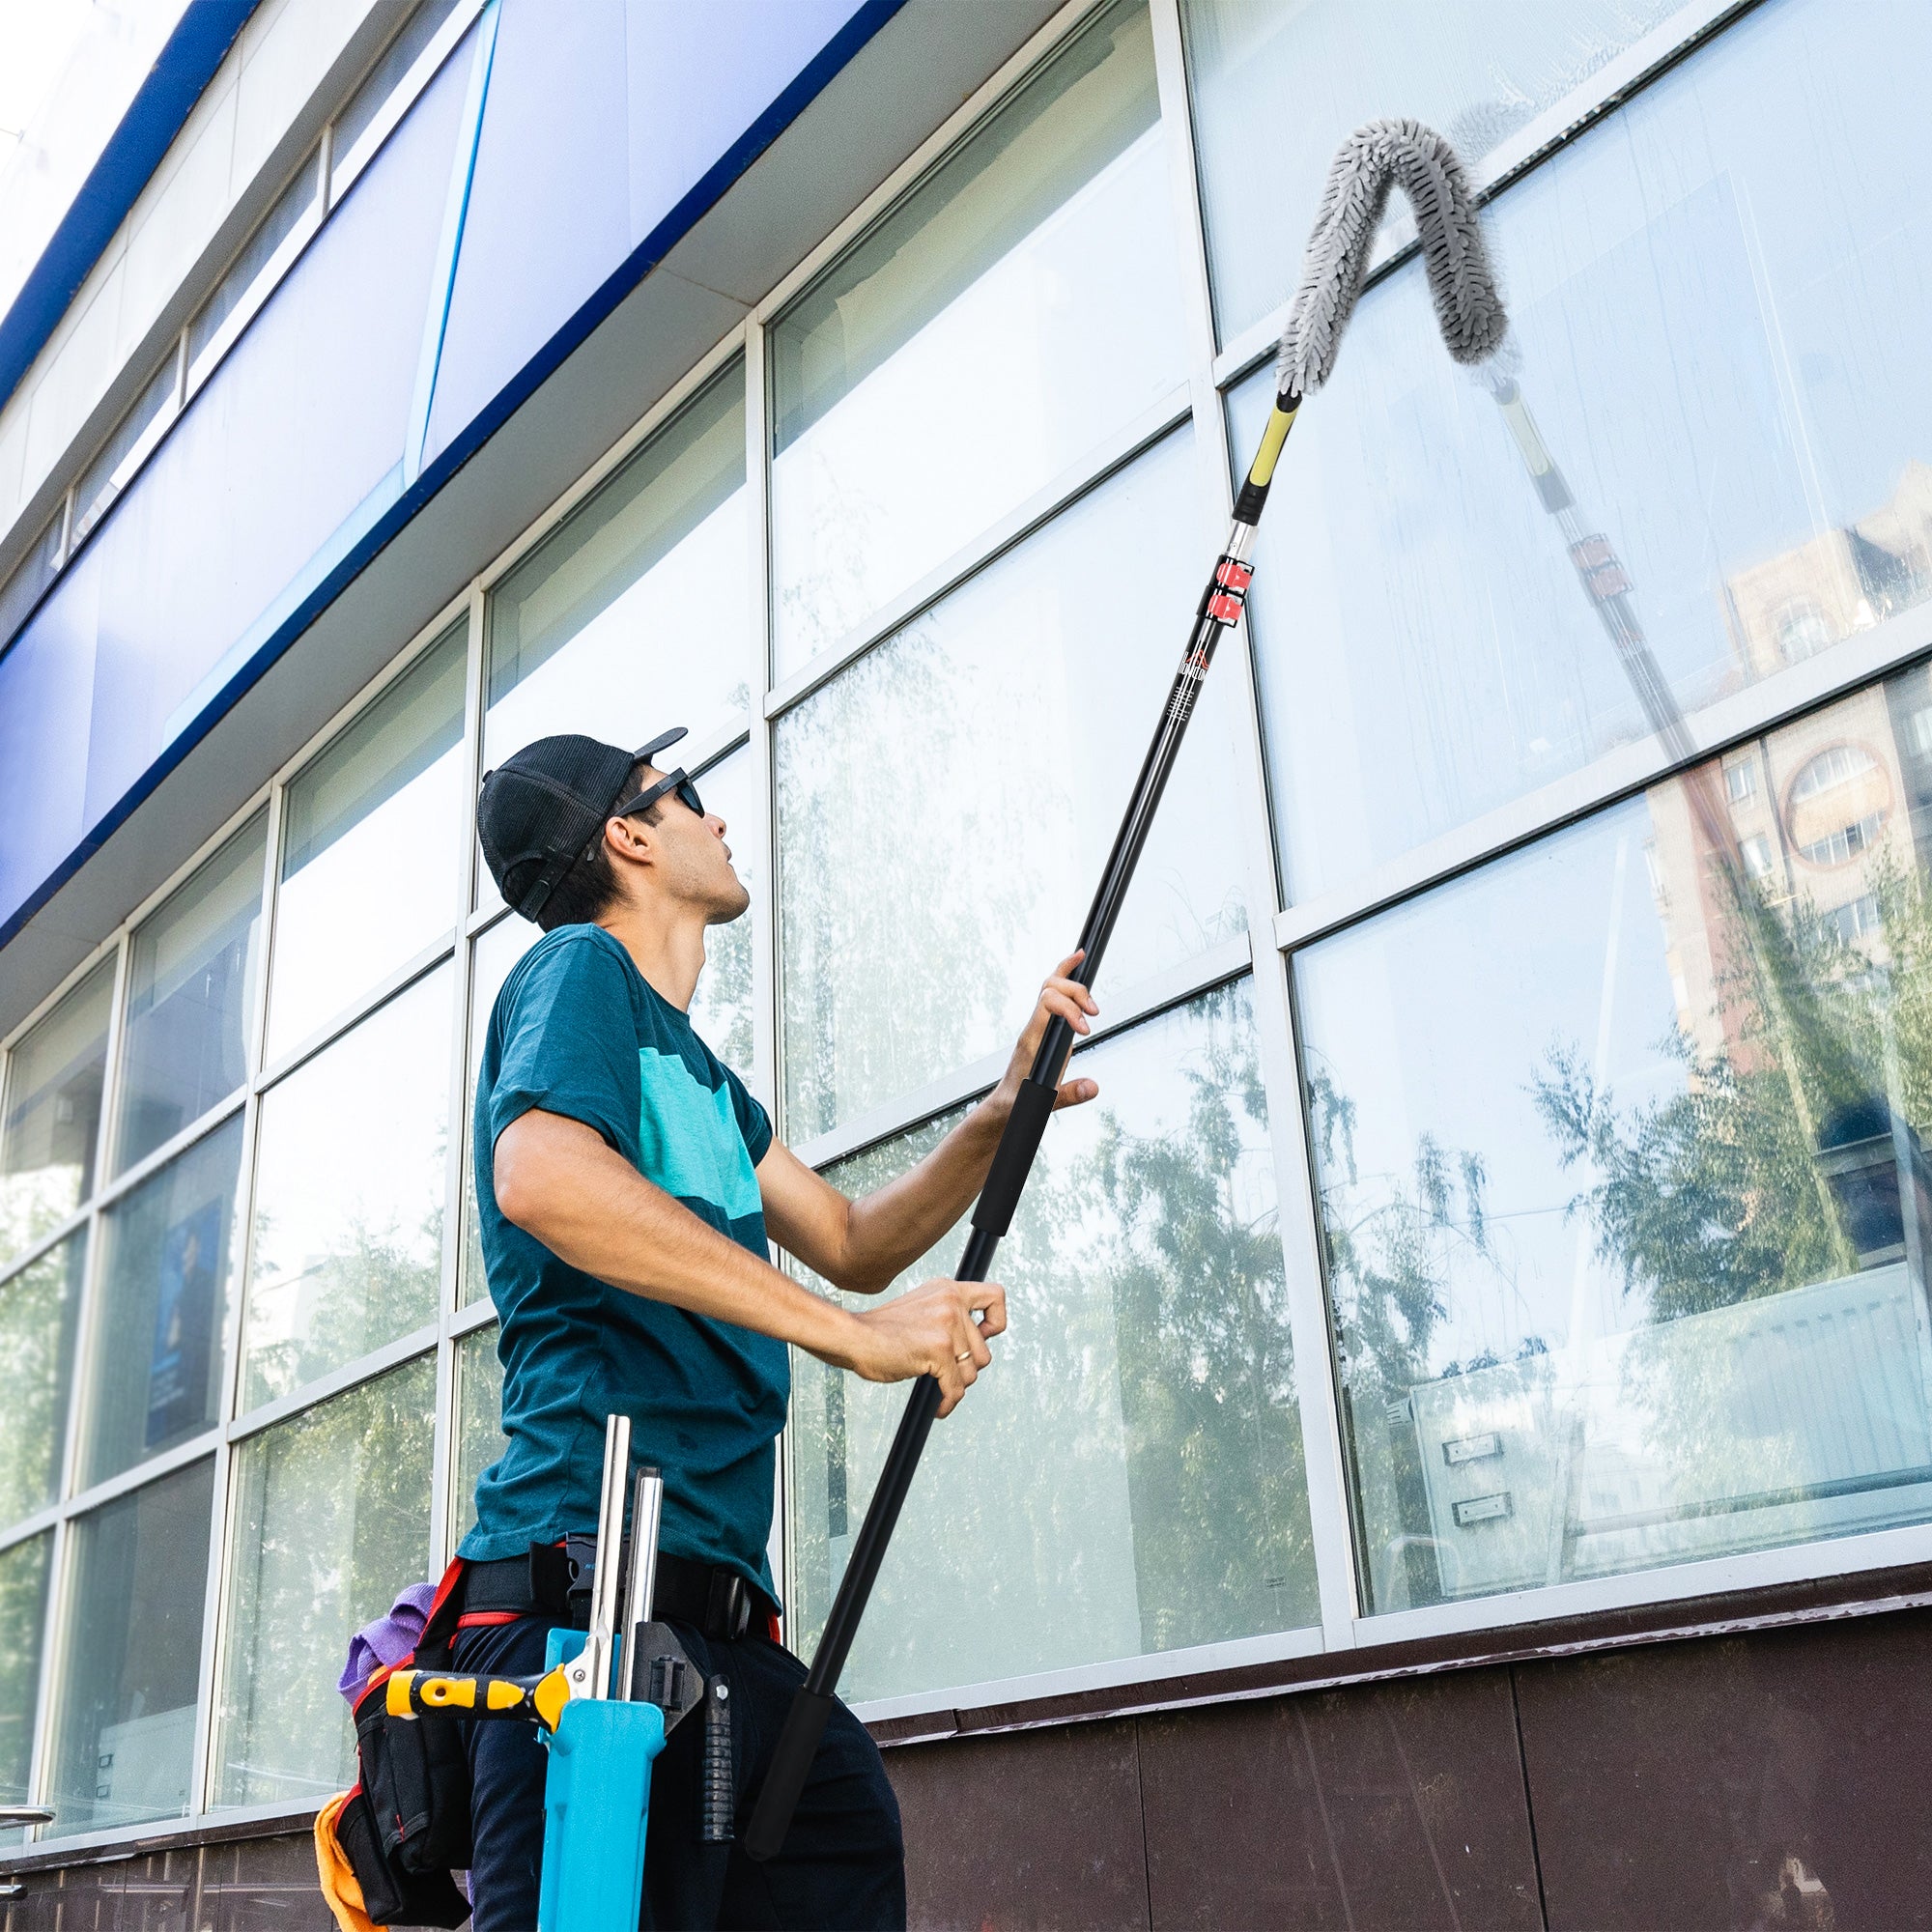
[
  {"x": 466, "y": 1320},
  {"x": 40, "y": 1763},
  {"x": 1314, "y": 1388},
  {"x": 443, "y": 1509},
  {"x": 234, "y": 1324},
  {"x": 766, "y": 1080},
  {"x": 214, "y": 1635},
  {"x": 80, "y": 1389}
]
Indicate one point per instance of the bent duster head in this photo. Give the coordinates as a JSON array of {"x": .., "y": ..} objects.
[{"x": 1379, "y": 155}]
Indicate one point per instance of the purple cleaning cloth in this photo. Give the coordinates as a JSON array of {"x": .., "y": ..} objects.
[{"x": 388, "y": 1640}]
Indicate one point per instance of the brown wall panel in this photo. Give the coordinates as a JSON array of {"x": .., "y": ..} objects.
[
  {"x": 262, "y": 1882},
  {"x": 1031, "y": 1829},
  {"x": 248, "y": 1887},
  {"x": 1390, "y": 1806},
  {"x": 1772, "y": 1779}
]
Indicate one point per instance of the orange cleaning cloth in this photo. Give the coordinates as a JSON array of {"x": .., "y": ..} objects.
[{"x": 340, "y": 1888}]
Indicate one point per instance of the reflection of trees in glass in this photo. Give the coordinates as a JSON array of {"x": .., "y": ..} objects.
[
  {"x": 36, "y": 1322},
  {"x": 1399, "y": 1256},
  {"x": 1724, "y": 1191},
  {"x": 24, "y": 1603},
  {"x": 721, "y": 1010},
  {"x": 1128, "y": 1476},
  {"x": 376, "y": 1283},
  {"x": 882, "y": 987},
  {"x": 479, "y": 1422},
  {"x": 332, "y": 1520},
  {"x": 1781, "y": 1157},
  {"x": 35, "y": 1203},
  {"x": 1215, "y": 1470}
]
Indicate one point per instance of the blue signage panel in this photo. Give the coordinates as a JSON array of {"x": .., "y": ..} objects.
[{"x": 559, "y": 154}]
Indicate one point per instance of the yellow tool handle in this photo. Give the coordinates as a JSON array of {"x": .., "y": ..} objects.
[{"x": 538, "y": 1701}]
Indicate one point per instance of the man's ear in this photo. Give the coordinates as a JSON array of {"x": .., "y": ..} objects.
[{"x": 631, "y": 839}]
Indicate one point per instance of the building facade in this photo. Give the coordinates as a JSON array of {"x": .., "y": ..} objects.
[{"x": 1463, "y": 1451}]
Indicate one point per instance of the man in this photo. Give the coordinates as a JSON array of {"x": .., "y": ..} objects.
[{"x": 627, "y": 1182}]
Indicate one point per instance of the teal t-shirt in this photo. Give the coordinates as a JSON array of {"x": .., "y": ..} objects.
[{"x": 578, "y": 1030}]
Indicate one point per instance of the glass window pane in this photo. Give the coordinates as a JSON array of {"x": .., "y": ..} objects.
[
  {"x": 164, "y": 1299},
  {"x": 594, "y": 631},
  {"x": 387, "y": 75},
  {"x": 344, "y": 1266},
  {"x": 332, "y": 1519},
  {"x": 369, "y": 839},
  {"x": 1478, "y": 70},
  {"x": 1719, "y": 346},
  {"x": 257, "y": 253},
  {"x": 38, "y": 1308},
  {"x": 1019, "y": 307},
  {"x": 1618, "y": 1146},
  {"x": 101, "y": 482},
  {"x": 479, "y": 1420},
  {"x": 139, "y": 1583},
  {"x": 721, "y": 1009},
  {"x": 52, "y": 1122},
  {"x": 190, "y": 998},
  {"x": 495, "y": 953},
  {"x": 30, "y": 575},
  {"x": 945, "y": 806},
  {"x": 1127, "y": 1477},
  {"x": 23, "y": 1611}
]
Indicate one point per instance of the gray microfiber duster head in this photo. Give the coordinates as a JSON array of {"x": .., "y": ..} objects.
[{"x": 1375, "y": 157}]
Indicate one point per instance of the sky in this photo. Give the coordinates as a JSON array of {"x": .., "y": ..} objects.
[{"x": 67, "y": 71}]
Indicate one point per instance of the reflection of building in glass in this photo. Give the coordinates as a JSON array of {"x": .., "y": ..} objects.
[
  {"x": 1817, "y": 594},
  {"x": 1821, "y": 810}
]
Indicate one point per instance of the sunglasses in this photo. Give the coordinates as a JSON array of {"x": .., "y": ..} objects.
[{"x": 677, "y": 782}]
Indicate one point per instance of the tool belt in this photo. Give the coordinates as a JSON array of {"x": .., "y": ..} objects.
[
  {"x": 406, "y": 1826},
  {"x": 554, "y": 1579}
]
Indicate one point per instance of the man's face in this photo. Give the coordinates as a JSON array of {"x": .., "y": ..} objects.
[{"x": 695, "y": 862}]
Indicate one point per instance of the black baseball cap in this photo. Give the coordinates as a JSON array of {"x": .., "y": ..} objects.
[{"x": 542, "y": 810}]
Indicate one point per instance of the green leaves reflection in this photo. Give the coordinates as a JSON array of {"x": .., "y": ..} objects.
[{"x": 1129, "y": 1475}]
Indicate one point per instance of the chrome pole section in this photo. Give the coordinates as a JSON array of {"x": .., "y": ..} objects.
[
  {"x": 640, "y": 1586},
  {"x": 588, "y": 1672}
]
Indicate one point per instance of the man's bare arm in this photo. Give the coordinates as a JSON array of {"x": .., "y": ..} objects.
[
  {"x": 558, "y": 1181},
  {"x": 861, "y": 1245}
]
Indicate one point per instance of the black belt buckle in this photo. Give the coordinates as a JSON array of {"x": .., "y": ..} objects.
[
  {"x": 580, "y": 1554},
  {"x": 728, "y": 1611}
]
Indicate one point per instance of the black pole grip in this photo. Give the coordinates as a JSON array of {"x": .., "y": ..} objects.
[
  {"x": 791, "y": 1765},
  {"x": 1012, "y": 1160}
]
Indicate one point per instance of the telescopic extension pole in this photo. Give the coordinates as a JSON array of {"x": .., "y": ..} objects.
[{"x": 1373, "y": 160}]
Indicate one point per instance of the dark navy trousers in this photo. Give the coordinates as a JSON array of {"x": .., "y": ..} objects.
[{"x": 842, "y": 1865}]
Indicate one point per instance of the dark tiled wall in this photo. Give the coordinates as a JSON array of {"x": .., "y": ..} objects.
[
  {"x": 253, "y": 1886},
  {"x": 1776, "y": 1782},
  {"x": 1781, "y": 1779}
]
